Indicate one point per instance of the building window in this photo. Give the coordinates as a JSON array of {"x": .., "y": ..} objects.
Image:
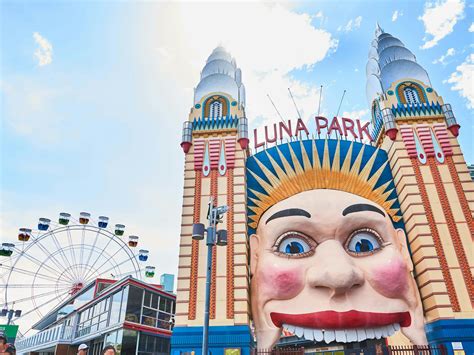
[
  {"x": 134, "y": 304},
  {"x": 216, "y": 109},
  {"x": 157, "y": 311},
  {"x": 153, "y": 345},
  {"x": 411, "y": 96}
]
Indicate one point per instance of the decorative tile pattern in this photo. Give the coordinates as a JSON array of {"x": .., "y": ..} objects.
[
  {"x": 455, "y": 237},
  {"x": 230, "y": 244},
  {"x": 436, "y": 237},
  {"x": 195, "y": 250},
  {"x": 212, "y": 303}
]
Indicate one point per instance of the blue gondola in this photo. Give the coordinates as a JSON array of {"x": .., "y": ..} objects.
[
  {"x": 103, "y": 221},
  {"x": 43, "y": 224},
  {"x": 143, "y": 255}
]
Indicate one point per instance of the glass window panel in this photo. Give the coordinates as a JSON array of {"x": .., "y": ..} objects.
[
  {"x": 129, "y": 342},
  {"x": 147, "y": 299},
  {"x": 134, "y": 304},
  {"x": 115, "y": 308},
  {"x": 162, "y": 303},
  {"x": 155, "y": 300}
]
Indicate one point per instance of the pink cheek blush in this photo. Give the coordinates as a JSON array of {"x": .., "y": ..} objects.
[
  {"x": 281, "y": 283},
  {"x": 390, "y": 278}
]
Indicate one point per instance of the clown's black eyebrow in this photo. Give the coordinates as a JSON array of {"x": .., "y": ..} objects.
[
  {"x": 361, "y": 207},
  {"x": 288, "y": 213}
]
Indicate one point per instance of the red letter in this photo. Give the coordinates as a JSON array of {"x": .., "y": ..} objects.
[
  {"x": 300, "y": 126},
  {"x": 347, "y": 127},
  {"x": 318, "y": 126},
  {"x": 257, "y": 145},
  {"x": 271, "y": 140},
  {"x": 286, "y": 128},
  {"x": 334, "y": 126},
  {"x": 363, "y": 129}
]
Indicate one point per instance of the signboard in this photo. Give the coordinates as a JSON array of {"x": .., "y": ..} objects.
[
  {"x": 351, "y": 129},
  {"x": 10, "y": 331}
]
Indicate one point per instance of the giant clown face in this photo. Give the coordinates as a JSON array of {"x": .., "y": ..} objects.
[{"x": 330, "y": 266}]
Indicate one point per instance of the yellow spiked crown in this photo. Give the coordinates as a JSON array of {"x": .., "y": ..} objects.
[{"x": 287, "y": 169}]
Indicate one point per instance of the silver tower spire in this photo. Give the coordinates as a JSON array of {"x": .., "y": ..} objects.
[
  {"x": 390, "y": 61},
  {"x": 220, "y": 74}
]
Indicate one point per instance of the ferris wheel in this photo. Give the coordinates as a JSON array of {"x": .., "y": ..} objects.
[{"x": 48, "y": 265}]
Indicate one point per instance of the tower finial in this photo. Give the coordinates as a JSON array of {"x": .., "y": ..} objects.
[{"x": 378, "y": 29}]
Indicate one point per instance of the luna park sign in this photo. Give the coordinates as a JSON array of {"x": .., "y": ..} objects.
[{"x": 347, "y": 128}]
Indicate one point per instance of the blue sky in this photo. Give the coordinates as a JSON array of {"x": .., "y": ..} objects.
[{"x": 92, "y": 121}]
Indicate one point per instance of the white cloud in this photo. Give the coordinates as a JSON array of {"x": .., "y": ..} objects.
[
  {"x": 449, "y": 53},
  {"x": 353, "y": 24},
  {"x": 462, "y": 80},
  {"x": 396, "y": 14},
  {"x": 471, "y": 28},
  {"x": 273, "y": 42},
  {"x": 44, "y": 53},
  {"x": 439, "y": 19}
]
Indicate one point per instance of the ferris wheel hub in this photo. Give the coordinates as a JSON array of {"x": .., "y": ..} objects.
[{"x": 76, "y": 288}]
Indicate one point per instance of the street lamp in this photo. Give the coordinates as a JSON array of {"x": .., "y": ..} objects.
[
  {"x": 214, "y": 216},
  {"x": 9, "y": 313}
]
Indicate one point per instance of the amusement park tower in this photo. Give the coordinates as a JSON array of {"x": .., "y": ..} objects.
[
  {"x": 215, "y": 143},
  {"x": 419, "y": 132}
]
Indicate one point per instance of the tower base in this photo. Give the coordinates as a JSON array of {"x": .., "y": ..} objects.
[
  {"x": 455, "y": 334},
  {"x": 223, "y": 340}
]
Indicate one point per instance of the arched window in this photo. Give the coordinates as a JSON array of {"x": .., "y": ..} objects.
[
  {"x": 411, "y": 96},
  {"x": 215, "y": 109}
]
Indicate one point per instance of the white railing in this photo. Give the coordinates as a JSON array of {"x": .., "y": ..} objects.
[{"x": 51, "y": 336}]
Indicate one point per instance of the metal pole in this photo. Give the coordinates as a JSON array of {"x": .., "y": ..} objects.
[
  {"x": 211, "y": 230},
  {"x": 10, "y": 316}
]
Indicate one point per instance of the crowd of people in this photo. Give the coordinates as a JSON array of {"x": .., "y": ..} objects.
[{"x": 108, "y": 350}]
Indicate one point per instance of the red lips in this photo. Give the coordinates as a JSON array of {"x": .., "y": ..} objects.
[{"x": 341, "y": 320}]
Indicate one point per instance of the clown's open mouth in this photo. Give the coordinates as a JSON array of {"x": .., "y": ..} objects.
[{"x": 342, "y": 327}]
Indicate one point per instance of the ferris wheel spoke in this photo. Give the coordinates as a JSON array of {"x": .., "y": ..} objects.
[
  {"x": 29, "y": 273},
  {"x": 82, "y": 248},
  {"x": 92, "y": 250},
  {"x": 38, "y": 262},
  {"x": 61, "y": 251},
  {"x": 39, "y": 295},
  {"x": 71, "y": 249},
  {"x": 115, "y": 265},
  {"x": 110, "y": 259},
  {"x": 97, "y": 258},
  {"x": 63, "y": 297},
  {"x": 49, "y": 255},
  {"x": 29, "y": 285}
]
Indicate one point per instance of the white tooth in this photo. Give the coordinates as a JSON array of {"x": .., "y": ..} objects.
[
  {"x": 396, "y": 326},
  {"x": 351, "y": 335},
  {"x": 378, "y": 332},
  {"x": 361, "y": 335},
  {"x": 340, "y": 335},
  {"x": 290, "y": 328},
  {"x": 299, "y": 332},
  {"x": 329, "y": 336},
  {"x": 308, "y": 334},
  {"x": 391, "y": 329},
  {"x": 318, "y": 334},
  {"x": 385, "y": 331},
  {"x": 370, "y": 333}
]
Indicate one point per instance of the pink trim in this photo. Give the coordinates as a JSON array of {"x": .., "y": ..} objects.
[
  {"x": 407, "y": 135},
  {"x": 426, "y": 140}
]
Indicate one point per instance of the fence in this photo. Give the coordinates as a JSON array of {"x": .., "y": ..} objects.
[{"x": 373, "y": 350}]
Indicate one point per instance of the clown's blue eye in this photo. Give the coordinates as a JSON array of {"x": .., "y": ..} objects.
[
  {"x": 293, "y": 244},
  {"x": 364, "y": 241}
]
